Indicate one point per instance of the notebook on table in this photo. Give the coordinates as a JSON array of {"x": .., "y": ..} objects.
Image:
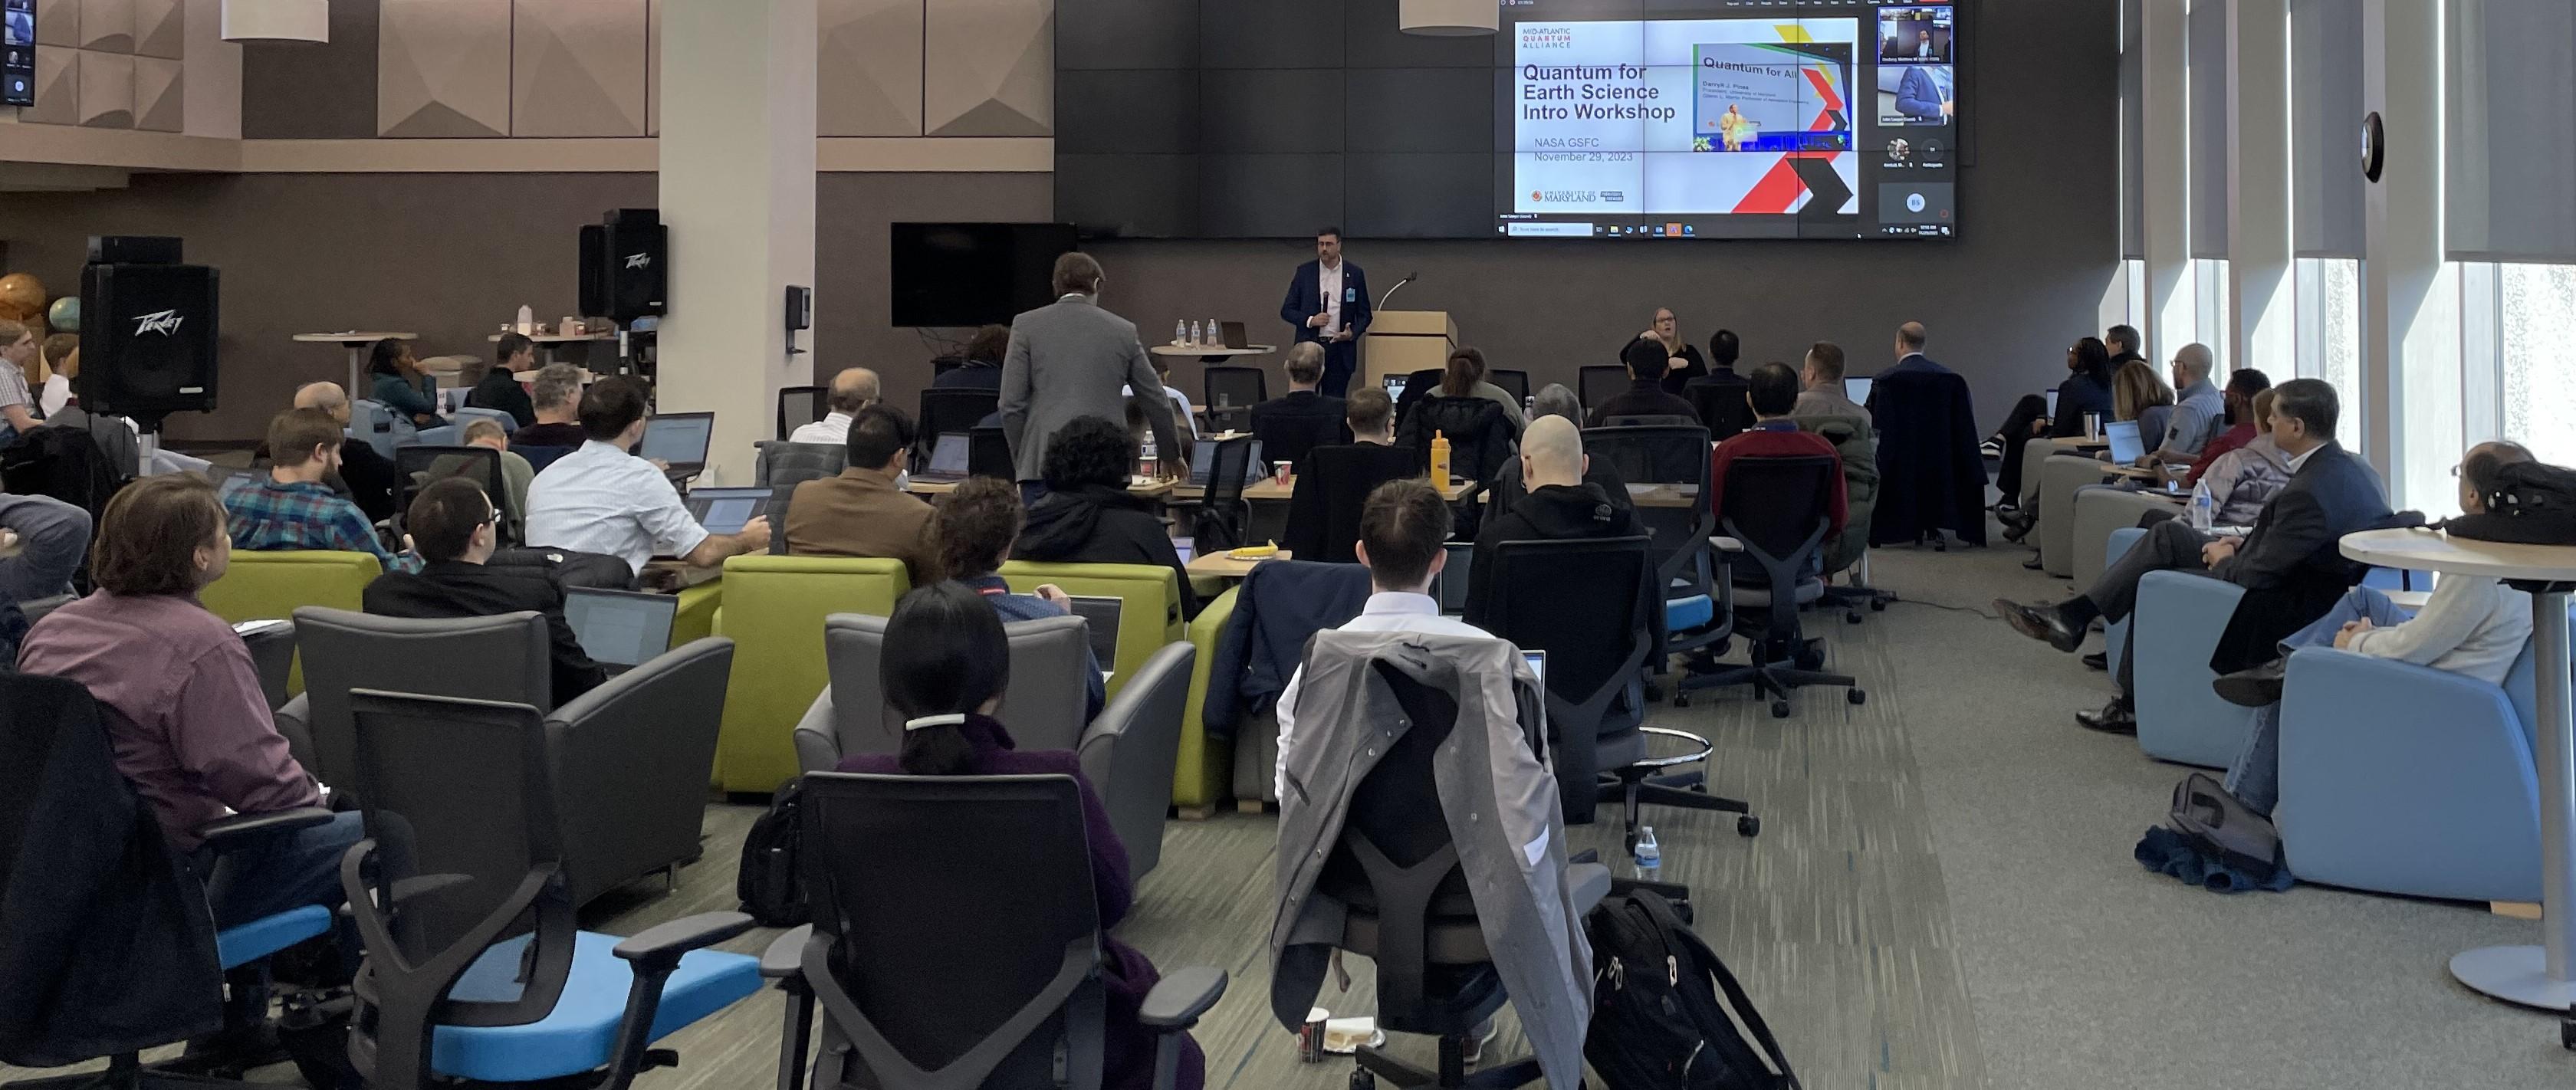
[
  {"x": 620, "y": 629},
  {"x": 725, "y": 510}
]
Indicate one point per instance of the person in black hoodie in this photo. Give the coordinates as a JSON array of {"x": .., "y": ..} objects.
[
  {"x": 1559, "y": 507},
  {"x": 1088, "y": 516}
]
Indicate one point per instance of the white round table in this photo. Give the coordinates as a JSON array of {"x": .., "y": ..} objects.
[
  {"x": 358, "y": 342},
  {"x": 2534, "y": 976}
]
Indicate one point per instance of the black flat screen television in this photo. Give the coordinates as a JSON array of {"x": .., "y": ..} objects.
[{"x": 963, "y": 274}]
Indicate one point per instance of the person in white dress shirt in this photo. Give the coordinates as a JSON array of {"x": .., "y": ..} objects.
[
  {"x": 602, "y": 499},
  {"x": 855, "y": 388},
  {"x": 1404, "y": 528}
]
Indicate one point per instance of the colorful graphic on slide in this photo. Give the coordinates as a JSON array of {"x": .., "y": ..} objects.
[{"x": 1722, "y": 116}]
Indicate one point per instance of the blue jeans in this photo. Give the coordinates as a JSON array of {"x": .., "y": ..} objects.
[
  {"x": 2255, "y": 778},
  {"x": 275, "y": 873},
  {"x": 52, "y": 537}
]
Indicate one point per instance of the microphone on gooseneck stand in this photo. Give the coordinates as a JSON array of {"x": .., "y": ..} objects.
[{"x": 1399, "y": 286}]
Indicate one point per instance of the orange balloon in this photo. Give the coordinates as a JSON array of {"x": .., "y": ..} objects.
[{"x": 22, "y": 297}]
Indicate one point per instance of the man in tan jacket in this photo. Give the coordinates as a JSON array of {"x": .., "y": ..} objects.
[{"x": 865, "y": 511}]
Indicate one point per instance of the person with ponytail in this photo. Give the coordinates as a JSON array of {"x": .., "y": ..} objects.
[{"x": 945, "y": 668}]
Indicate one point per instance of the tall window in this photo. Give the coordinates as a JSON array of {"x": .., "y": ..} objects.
[
  {"x": 2535, "y": 307},
  {"x": 2329, "y": 326},
  {"x": 2211, "y": 311}
]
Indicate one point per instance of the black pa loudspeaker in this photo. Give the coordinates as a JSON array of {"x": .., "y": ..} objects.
[
  {"x": 147, "y": 340},
  {"x": 624, "y": 265},
  {"x": 133, "y": 250}
]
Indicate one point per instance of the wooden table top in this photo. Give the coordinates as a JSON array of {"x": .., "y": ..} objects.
[
  {"x": 354, "y": 337},
  {"x": 1221, "y": 566},
  {"x": 1269, "y": 490},
  {"x": 2433, "y": 550},
  {"x": 919, "y": 487},
  {"x": 531, "y": 376},
  {"x": 1664, "y": 495},
  {"x": 1211, "y": 351},
  {"x": 559, "y": 338}
]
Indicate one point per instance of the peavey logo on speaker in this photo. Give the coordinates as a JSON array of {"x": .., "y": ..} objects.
[
  {"x": 637, "y": 261},
  {"x": 163, "y": 322}
]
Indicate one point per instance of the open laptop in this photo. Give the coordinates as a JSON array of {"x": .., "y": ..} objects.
[
  {"x": 2052, "y": 402},
  {"x": 620, "y": 629},
  {"x": 1100, "y": 616},
  {"x": 947, "y": 458},
  {"x": 2126, "y": 446},
  {"x": 1857, "y": 389},
  {"x": 724, "y": 510},
  {"x": 680, "y": 439},
  {"x": 1395, "y": 386},
  {"x": 1232, "y": 335},
  {"x": 1203, "y": 462}
]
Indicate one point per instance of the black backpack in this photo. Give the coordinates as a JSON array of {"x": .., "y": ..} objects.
[
  {"x": 1666, "y": 1014},
  {"x": 771, "y": 882},
  {"x": 63, "y": 463},
  {"x": 2533, "y": 503}
]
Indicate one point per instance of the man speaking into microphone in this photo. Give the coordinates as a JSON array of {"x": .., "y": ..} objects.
[{"x": 1328, "y": 302}]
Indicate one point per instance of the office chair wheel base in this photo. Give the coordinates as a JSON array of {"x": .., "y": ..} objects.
[
  {"x": 1878, "y": 605},
  {"x": 1363, "y": 1079},
  {"x": 1851, "y": 617},
  {"x": 2567, "y": 1031},
  {"x": 1748, "y": 825},
  {"x": 1681, "y": 700},
  {"x": 1856, "y": 696},
  {"x": 1779, "y": 709}
]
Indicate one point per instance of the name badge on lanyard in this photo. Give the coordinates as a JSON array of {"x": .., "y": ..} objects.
[{"x": 1350, "y": 294}]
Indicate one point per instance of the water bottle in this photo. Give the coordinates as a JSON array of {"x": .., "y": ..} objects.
[
  {"x": 1650, "y": 856},
  {"x": 1194, "y": 333},
  {"x": 1148, "y": 464},
  {"x": 1216, "y": 337},
  {"x": 2203, "y": 508},
  {"x": 1180, "y": 332}
]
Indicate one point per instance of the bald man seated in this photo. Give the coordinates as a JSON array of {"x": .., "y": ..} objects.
[
  {"x": 365, "y": 476},
  {"x": 1560, "y": 506},
  {"x": 855, "y": 388}
]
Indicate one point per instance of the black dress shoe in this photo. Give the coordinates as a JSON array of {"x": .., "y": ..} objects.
[
  {"x": 2115, "y": 717},
  {"x": 2044, "y": 623},
  {"x": 2099, "y": 660},
  {"x": 2254, "y": 686},
  {"x": 2034, "y": 563}
]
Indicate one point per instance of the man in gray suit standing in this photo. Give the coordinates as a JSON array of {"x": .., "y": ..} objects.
[{"x": 1070, "y": 359}]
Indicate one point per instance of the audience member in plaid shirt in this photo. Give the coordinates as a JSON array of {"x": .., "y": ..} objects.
[{"x": 293, "y": 509}]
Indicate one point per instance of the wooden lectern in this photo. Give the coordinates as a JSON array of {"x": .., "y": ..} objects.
[{"x": 1400, "y": 342}]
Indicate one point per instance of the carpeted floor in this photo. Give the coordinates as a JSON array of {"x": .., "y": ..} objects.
[{"x": 1941, "y": 897}]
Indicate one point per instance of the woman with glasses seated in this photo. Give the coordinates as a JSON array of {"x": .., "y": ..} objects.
[{"x": 945, "y": 667}]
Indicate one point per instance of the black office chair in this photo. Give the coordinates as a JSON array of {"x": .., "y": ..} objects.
[
  {"x": 1411, "y": 911},
  {"x": 956, "y": 940},
  {"x": 1673, "y": 461},
  {"x": 418, "y": 467},
  {"x": 1291, "y": 438},
  {"x": 950, "y": 411},
  {"x": 1597, "y": 384},
  {"x": 1418, "y": 386},
  {"x": 1720, "y": 401},
  {"x": 272, "y": 655},
  {"x": 1219, "y": 522},
  {"x": 1515, "y": 383},
  {"x": 799, "y": 406},
  {"x": 988, "y": 454},
  {"x": 1775, "y": 511},
  {"x": 1230, "y": 388},
  {"x": 1324, "y": 511},
  {"x": 460, "y": 895},
  {"x": 783, "y": 463}
]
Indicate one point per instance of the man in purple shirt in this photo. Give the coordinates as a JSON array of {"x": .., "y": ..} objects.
[{"x": 182, "y": 704}]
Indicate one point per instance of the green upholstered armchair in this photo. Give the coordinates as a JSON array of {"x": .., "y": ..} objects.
[
  {"x": 773, "y": 609},
  {"x": 259, "y": 586}
]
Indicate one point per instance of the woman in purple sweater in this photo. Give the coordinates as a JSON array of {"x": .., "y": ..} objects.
[{"x": 946, "y": 665}]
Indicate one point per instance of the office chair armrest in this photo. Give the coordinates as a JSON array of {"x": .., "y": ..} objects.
[
  {"x": 785, "y": 957},
  {"x": 1181, "y": 997},
  {"x": 1586, "y": 884},
  {"x": 225, "y": 833},
  {"x": 659, "y": 947},
  {"x": 1726, "y": 544}
]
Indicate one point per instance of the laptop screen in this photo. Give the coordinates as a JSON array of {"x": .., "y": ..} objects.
[
  {"x": 2052, "y": 402},
  {"x": 1395, "y": 386},
  {"x": 948, "y": 455},
  {"x": 2126, "y": 447},
  {"x": 620, "y": 627},
  {"x": 678, "y": 438},
  {"x": 1203, "y": 462},
  {"x": 1101, "y": 616},
  {"x": 1538, "y": 664},
  {"x": 1857, "y": 389},
  {"x": 724, "y": 510}
]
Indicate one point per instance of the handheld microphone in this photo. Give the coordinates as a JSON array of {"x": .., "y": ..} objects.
[{"x": 1399, "y": 286}]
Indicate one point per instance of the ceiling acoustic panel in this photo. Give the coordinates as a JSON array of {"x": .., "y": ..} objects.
[
  {"x": 578, "y": 68},
  {"x": 160, "y": 29},
  {"x": 58, "y": 23},
  {"x": 106, "y": 91},
  {"x": 160, "y": 95},
  {"x": 868, "y": 68},
  {"x": 57, "y": 88},
  {"x": 990, "y": 68},
  {"x": 107, "y": 25},
  {"x": 443, "y": 68}
]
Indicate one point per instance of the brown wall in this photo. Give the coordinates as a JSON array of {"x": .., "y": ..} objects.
[{"x": 452, "y": 256}]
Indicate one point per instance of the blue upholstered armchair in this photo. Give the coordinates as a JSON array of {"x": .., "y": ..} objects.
[
  {"x": 2406, "y": 779},
  {"x": 2179, "y": 618}
]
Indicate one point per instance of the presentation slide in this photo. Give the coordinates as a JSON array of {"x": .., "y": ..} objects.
[{"x": 1728, "y": 123}]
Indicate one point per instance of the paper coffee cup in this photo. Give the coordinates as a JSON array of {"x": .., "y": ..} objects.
[{"x": 1281, "y": 470}]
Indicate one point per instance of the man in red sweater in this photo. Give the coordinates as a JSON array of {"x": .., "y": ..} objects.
[{"x": 1773, "y": 394}]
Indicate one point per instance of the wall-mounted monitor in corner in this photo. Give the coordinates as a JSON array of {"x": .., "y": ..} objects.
[{"x": 17, "y": 52}]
